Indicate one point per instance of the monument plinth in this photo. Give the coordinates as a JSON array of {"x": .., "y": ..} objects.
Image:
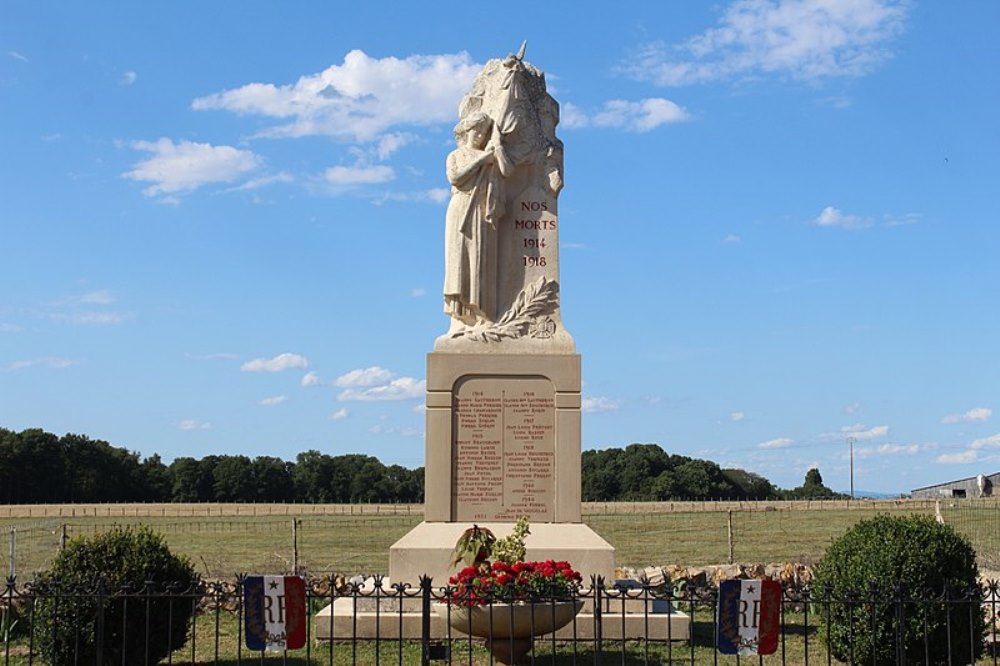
[{"x": 503, "y": 384}]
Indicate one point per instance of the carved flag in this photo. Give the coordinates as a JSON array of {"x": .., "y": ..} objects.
[
  {"x": 275, "y": 612},
  {"x": 749, "y": 616}
]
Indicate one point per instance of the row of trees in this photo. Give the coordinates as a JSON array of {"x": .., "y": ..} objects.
[
  {"x": 39, "y": 467},
  {"x": 645, "y": 472}
]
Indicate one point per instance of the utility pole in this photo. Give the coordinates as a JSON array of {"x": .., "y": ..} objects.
[{"x": 850, "y": 442}]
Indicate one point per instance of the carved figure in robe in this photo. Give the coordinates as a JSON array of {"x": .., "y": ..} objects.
[{"x": 475, "y": 169}]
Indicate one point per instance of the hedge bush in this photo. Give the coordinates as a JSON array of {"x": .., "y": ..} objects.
[
  {"x": 881, "y": 561},
  {"x": 110, "y": 589}
]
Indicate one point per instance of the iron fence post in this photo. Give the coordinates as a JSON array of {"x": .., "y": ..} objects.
[{"x": 425, "y": 620}]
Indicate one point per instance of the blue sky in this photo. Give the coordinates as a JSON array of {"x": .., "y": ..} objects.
[{"x": 222, "y": 225}]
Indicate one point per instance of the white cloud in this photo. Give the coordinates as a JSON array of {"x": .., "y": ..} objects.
[
  {"x": 96, "y": 318},
  {"x": 779, "y": 443},
  {"x": 806, "y": 40},
  {"x": 379, "y": 429},
  {"x": 400, "y": 388},
  {"x": 273, "y": 400},
  {"x": 852, "y": 408},
  {"x": 597, "y": 405},
  {"x": 351, "y": 176},
  {"x": 737, "y": 416},
  {"x": 194, "y": 424},
  {"x": 340, "y": 414},
  {"x": 310, "y": 379},
  {"x": 833, "y": 217},
  {"x": 218, "y": 356},
  {"x": 991, "y": 442},
  {"x": 103, "y": 297},
  {"x": 731, "y": 239},
  {"x": 971, "y": 454},
  {"x": 358, "y": 100},
  {"x": 257, "y": 183},
  {"x": 276, "y": 364},
  {"x": 17, "y": 56},
  {"x": 9, "y": 328},
  {"x": 572, "y": 117},
  {"x": 390, "y": 143},
  {"x": 128, "y": 78},
  {"x": 892, "y": 449},
  {"x": 364, "y": 377},
  {"x": 858, "y": 431},
  {"x": 418, "y": 292},
  {"x": 901, "y": 220},
  {"x": 957, "y": 458},
  {"x": 974, "y": 414},
  {"x": 641, "y": 116},
  {"x": 53, "y": 362},
  {"x": 435, "y": 195},
  {"x": 185, "y": 166}
]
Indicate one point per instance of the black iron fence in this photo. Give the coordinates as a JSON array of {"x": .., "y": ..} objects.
[{"x": 371, "y": 622}]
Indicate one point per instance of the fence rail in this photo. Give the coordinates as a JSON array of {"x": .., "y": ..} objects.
[
  {"x": 356, "y": 538},
  {"x": 95, "y": 624}
]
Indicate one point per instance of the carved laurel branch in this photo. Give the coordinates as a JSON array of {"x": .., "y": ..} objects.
[{"x": 537, "y": 299}]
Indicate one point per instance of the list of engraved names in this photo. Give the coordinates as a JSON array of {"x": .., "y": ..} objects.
[{"x": 504, "y": 449}]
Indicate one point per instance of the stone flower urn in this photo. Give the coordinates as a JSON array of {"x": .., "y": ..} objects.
[{"x": 510, "y": 629}]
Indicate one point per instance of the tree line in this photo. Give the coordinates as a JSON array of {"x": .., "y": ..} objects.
[
  {"x": 37, "y": 467},
  {"x": 647, "y": 473}
]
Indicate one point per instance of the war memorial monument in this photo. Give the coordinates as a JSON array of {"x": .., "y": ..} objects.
[
  {"x": 503, "y": 384},
  {"x": 503, "y": 417}
]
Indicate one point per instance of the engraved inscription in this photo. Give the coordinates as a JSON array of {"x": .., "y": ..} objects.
[{"x": 504, "y": 449}]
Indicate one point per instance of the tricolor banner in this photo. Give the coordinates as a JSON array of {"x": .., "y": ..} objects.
[
  {"x": 749, "y": 613},
  {"x": 275, "y": 608}
]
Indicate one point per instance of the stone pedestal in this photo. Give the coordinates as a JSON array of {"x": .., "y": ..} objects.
[{"x": 503, "y": 441}]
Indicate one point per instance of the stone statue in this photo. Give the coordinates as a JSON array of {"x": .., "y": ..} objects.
[
  {"x": 501, "y": 285},
  {"x": 476, "y": 171}
]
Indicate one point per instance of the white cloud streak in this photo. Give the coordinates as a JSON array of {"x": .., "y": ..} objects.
[
  {"x": 52, "y": 362},
  {"x": 779, "y": 443},
  {"x": 193, "y": 424},
  {"x": 340, "y": 414},
  {"x": 597, "y": 405},
  {"x": 957, "y": 458},
  {"x": 352, "y": 176},
  {"x": 364, "y": 377},
  {"x": 273, "y": 400},
  {"x": 834, "y": 217},
  {"x": 277, "y": 364},
  {"x": 102, "y": 297},
  {"x": 400, "y": 388},
  {"x": 185, "y": 166},
  {"x": 358, "y": 100},
  {"x": 641, "y": 116},
  {"x": 971, "y": 416},
  {"x": 128, "y": 78},
  {"x": 805, "y": 40},
  {"x": 311, "y": 379}
]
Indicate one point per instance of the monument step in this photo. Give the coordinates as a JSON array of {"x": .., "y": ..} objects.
[{"x": 343, "y": 621}]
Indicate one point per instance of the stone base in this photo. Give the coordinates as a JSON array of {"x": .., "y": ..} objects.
[
  {"x": 427, "y": 550},
  {"x": 388, "y": 618}
]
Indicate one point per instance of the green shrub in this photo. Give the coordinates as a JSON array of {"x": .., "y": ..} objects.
[
  {"x": 104, "y": 591},
  {"x": 887, "y": 558}
]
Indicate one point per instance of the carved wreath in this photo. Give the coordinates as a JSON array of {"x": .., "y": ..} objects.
[{"x": 531, "y": 308}]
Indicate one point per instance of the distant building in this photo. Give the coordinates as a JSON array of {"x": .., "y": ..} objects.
[{"x": 974, "y": 486}]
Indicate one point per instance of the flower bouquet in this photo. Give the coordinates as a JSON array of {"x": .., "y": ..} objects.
[{"x": 504, "y": 599}]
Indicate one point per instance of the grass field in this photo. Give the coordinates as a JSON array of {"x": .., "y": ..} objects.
[{"x": 223, "y": 540}]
